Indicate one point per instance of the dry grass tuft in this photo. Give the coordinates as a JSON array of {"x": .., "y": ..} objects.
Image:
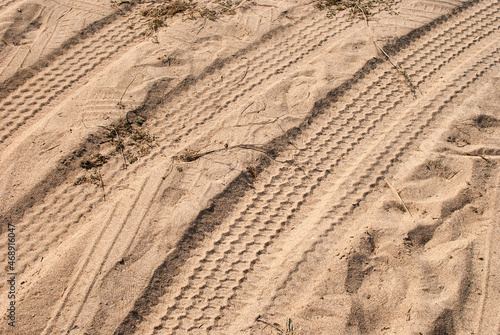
[
  {"x": 130, "y": 141},
  {"x": 253, "y": 171},
  {"x": 356, "y": 8},
  {"x": 94, "y": 161},
  {"x": 160, "y": 14},
  {"x": 93, "y": 178},
  {"x": 124, "y": 138},
  {"x": 190, "y": 156},
  {"x": 170, "y": 9}
]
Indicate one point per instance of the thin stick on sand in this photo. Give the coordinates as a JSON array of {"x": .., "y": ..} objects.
[
  {"x": 102, "y": 185},
  {"x": 280, "y": 331},
  {"x": 126, "y": 88},
  {"x": 401, "y": 200},
  {"x": 389, "y": 59},
  {"x": 189, "y": 156}
]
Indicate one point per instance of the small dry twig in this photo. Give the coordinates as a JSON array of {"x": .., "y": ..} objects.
[
  {"x": 121, "y": 149},
  {"x": 83, "y": 122},
  {"x": 413, "y": 87},
  {"x": 289, "y": 141},
  {"x": 244, "y": 75},
  {"x": 190, "y": 156},
  {"x": 401, "y": 200},
  {"x": 484, "y": 158},
  {"x": 202, "y": 26},
  {"x": 289, "y": 326},
  {"x": 460, "y": 130},
  {"x": 258, "y": 123},
  {"x": 120, "y": 145},
  {"x": 126, "y": 88},
  {"x": 453, "y": 175},
  {"x": 170, "y": 170},
  {"x": 267, "y": 323},
  {"x": 247, "y": 107},
  {"x": 102, "y": 184}
]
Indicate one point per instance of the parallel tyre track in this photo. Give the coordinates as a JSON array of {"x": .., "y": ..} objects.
[
  {"x": 285, "y": 46},
  {"x": 380, "y": 165},
  {"x": 37, "y": 92},
  {"x": 67, "y": 203},
  {"x": 5, "y": 3},
  {"x": 314, "y": 257},
  {"x": 207, "y": 287},
  {"x": 321, "y": 27},
  {"x": 199, "y": 107},
  {"x": 221, "y": 284}
]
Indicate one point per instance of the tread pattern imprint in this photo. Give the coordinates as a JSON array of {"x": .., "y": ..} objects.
[
  {"x": 340, "y": 158},
  {"x": 299, "y": 212},
  {"x": 37, "y": 29}
]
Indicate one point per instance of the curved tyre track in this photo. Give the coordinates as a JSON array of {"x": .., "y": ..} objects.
[
  {"x": 31, "y": 97},
  {"x": 68, "y": 201},
  {"x": 5, "y": 3},
  {"x": 336, "y": 157},
  {"x": 349, "y": 195},
  {"x": 381, "y": 164},
  {"x": 69, "y": 205},
  {"x": 64, "y": 207}
]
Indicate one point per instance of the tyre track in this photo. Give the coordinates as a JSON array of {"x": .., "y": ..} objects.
[
  {"x": 67, "y": 211},
  {"x": 408, "y": 18},
  {"x": 31, "y": 228},
  {"x": 187, "y": 305},
  {"x": 68, "y": 202},
  {"x": 79, "y": 214},
  {"x": 91, "y": 269},
  {"x": 5, "y": 3},
  {"x": 62, "y": 24},
  {"x": 37, "y": 92},
  {"x": 418, "y": 73},
  {"x": 40, "y": 90},
  {"x": 355, "y": 191},
  {"x": 266, "y": 64},
  {"x": 77, "y": 219},
  {"x": 78, "y": 199},
  {"x": 56, "y": 234},
  {"x": 158, "y": 183},
  {"x": 374, "y": 175},
  {"x": 84, "y": 6}
]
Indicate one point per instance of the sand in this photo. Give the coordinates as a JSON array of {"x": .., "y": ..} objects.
[{"x": 266, "y": 171}]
